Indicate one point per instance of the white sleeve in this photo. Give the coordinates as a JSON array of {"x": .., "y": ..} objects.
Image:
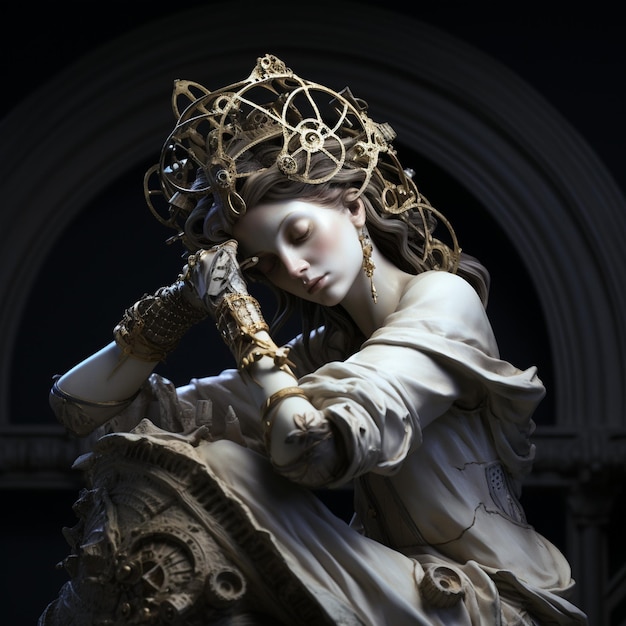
[{"x": 435, "y": 350}]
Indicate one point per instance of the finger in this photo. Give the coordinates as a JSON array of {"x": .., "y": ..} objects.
[{"x": 251, "y": 261}]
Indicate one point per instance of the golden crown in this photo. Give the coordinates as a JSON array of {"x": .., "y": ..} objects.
[{"x": 215, "y": 128}]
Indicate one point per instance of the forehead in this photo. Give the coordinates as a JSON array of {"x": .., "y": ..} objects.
[
  {"x": 266, "y": 216},
  {"x": 263, "y": 222},
  {"x": 264, "y": 225}
]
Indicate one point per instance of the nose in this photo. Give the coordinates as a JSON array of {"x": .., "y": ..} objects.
[{"x": 294, "y": 264}]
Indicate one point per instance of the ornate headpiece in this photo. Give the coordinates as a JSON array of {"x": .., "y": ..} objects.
[{"x": 304, "y": 119}]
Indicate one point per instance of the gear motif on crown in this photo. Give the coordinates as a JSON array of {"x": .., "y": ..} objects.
[{"x": 215, "y": 128}]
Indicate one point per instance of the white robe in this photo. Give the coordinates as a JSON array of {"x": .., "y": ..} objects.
[{"x": 437, "y": 430}]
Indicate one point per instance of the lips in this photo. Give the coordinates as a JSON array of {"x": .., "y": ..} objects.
[{"x": 315, "y": 284}]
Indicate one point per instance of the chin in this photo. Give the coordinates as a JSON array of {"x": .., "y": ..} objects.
[{"x": 327, "y": 299}]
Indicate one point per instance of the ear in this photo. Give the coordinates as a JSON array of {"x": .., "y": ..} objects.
[{"x": 355, "y": 205}]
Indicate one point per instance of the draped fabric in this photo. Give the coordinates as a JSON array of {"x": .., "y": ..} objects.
[{"x": 438, "y": 434}]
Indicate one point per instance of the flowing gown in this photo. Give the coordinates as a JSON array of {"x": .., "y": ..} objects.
[{"x": 437, "y": 429}]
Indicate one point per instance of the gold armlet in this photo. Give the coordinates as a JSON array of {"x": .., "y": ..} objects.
[
  {"x": 73, "y": 412},
  {"x": 154, "y": 325},
  {"x": 103, "y": 404},
  {"x": 271, "y": 403}
]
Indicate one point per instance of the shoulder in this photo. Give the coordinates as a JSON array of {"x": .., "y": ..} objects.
[
  {"x": 441, "y": 287},
  {"x": 444, "y": 304}
]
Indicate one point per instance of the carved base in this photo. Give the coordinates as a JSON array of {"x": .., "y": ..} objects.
[{"x": 159, "y": 542}]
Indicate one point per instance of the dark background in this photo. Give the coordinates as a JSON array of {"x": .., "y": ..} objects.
[{"x": 574, "y": 57}]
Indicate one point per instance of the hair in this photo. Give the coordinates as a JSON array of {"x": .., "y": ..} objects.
[{"x": 399, "y": 237}]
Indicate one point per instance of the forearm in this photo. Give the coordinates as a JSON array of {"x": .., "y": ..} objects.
[
  {"x": 105, "y": 383},
  {"x": 301, "y": 442},
  {"x": 263, "y": 380},
  {"x": 97, "y": 389},
  {"x": 299, "y": 439},
  {"x": 106, "y": 376}
]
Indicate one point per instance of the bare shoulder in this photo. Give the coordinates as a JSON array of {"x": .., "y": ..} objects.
[{"x": 443, "y": 285}]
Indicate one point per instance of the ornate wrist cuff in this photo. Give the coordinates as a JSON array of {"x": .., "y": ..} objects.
[
  {"x": 154, "y": 325},
  {"x": 238, "y": 319}
]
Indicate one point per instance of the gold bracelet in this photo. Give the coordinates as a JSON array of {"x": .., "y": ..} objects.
[
  {"x": 270, "y": 404},
  {"x": 279, "y": 396},
  {"x": 280, "y": 356}
]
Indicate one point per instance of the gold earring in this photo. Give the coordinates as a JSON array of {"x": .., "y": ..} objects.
[{"x": 368, "y": 264}]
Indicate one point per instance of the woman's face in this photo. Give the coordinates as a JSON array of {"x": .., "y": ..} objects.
[{"x": 305, "y": 249}]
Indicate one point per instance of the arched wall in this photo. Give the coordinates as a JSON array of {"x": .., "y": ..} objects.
[
  {"x": 108, "y": 113},
  {"x": 474, "y": 118}
]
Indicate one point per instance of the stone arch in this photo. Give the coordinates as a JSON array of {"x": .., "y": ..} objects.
[{"x": 472, "y": 116}]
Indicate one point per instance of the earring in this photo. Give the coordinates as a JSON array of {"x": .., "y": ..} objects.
[{"x": 368, "y": 264}]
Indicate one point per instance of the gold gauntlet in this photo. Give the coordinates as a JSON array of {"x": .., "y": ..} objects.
[
  {"x": 154, "y": 325},
  {"x": 239, "y": 319}
]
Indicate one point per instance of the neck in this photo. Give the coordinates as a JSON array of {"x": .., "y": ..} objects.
[{"x": 390, "y": 283}]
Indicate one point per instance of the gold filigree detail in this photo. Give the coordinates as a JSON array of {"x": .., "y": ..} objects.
[{"x": 302, "y": 118}]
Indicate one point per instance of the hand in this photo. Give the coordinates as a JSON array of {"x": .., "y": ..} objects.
[{"x": 215, "y": 273}]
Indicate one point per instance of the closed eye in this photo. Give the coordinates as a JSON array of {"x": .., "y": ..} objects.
[{"x": 300, "y": 230}]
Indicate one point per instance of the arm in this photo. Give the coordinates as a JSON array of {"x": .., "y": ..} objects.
[
  {"x": 106, "y": 375},
  {"x": 435, "y": 353},
  {"x": 292, "y": 427},
  {"x": 101, "y": 386}
]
